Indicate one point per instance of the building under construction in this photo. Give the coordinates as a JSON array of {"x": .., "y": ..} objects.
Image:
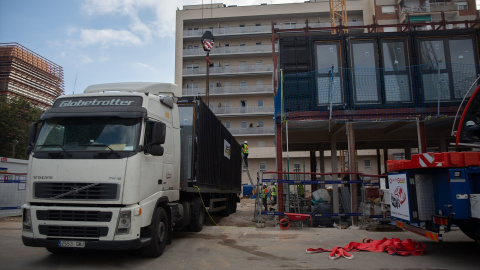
[{"x": 26, "y": 74}]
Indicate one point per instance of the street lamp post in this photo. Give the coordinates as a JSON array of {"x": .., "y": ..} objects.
[{"x": 14, "y": 143}]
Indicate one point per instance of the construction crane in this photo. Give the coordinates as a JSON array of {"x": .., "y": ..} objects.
[{"x": 338, "y": 14}]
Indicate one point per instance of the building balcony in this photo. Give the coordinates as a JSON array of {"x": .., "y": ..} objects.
[
  {"x": 228, "y": 70},
  {"x": 263, "y": 110},
  {"x": 255, "y": 89},
  {"x": 426, "y": 13},
  {"x": 253, "y": 131},
  {"x": 225, "y": 31},
  {"x": 240, "y": 50},
  {"x": 262, "y": 29}
]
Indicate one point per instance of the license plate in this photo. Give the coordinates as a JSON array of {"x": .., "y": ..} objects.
[{"x": 71, "y": 244}]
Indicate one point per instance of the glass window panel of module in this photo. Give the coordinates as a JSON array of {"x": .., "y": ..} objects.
[
  {"x": 434, "y": 70},
  {"x": 365, "y": 72},
  {"x": 186, "y": 137},
  {"x": 397, "y": 86},
  {"x": 463, "y": 65},
  {"x": 329, "y": 89}
]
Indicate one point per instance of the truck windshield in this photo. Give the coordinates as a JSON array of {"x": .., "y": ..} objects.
[{"x": 89, "y": 134}]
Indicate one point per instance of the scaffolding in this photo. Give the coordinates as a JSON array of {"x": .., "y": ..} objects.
[{"x": 26, "y": 74}]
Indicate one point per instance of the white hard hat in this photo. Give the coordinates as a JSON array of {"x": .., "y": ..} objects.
[
  {"x": 245, "y": 141},
  {"x": 470, "y": 123}
]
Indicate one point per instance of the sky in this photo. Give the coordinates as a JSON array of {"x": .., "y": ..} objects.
[{"x": 102, "y": 41}]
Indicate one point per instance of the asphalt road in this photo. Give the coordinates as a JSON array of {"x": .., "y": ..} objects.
[{"x": 248, "y": 248}]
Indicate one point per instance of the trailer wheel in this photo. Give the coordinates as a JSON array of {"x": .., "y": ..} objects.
[
  {"x": 198, "y": 216},
  {"x": 471, "y": 229},
  {"x": 159, "y": 234},
  {"x": 228, "y": 208},
  {"x": 234, "y": 203}
]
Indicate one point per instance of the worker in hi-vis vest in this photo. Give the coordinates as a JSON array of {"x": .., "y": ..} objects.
[
  {"x": 274, "y": 194},
  {"x": 245, "y": 153},
  {"x": 301, "y": 191},
  {"x": 265, "y": 196}
]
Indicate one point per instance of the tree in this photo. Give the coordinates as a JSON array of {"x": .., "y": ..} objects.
[{"x": 16, "y": 116}]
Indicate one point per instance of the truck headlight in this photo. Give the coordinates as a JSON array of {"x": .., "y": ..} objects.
[
  {"x": 124, "y": 222},
  {"x": 27, "y": 220}
]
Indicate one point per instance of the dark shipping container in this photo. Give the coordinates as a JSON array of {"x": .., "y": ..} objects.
[{"x": 210, "y": 156}]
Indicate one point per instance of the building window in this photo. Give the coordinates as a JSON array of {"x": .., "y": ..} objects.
[
  {"x": 243, "y": 63},
  {"x": 192, "y": 85},
  {"x": 368, "y": 164},
  {"x": 462, "y": 5},
  {"x": 192, "y": 68},
  {"x": 243, "y": 84},
  {"x": 261, "y": 143},
  {"x": 289, "y": 25},
  {"x": 260, "y": 123},
  {"x": 227, "y": 103},
  {"x": 210, "y": 105},
  {"x": 244, "y": 124},
  {"x": 260, "y": 103},
  {"x": 258, "y": 43},
  {"x": 259, "y": 63},
  {"x": 242, "y": 25},
  {"x": 263, "y": 166},
  {"x": 227, "y": 124},
  {"x": 388, "y": 9}
]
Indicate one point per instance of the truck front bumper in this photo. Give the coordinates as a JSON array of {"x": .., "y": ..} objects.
[{"x": 104, "y": 245}]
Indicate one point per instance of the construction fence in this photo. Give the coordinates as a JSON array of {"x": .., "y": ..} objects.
[
  {"x": 325, "y": 197},
  {"x": 12, "y": 193}
]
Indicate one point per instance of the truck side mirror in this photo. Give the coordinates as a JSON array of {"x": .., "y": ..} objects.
[
  {"x": 159, "y": 133},
  {"x": 32, "y": 134},
  {"x": 156, "y": 150}
]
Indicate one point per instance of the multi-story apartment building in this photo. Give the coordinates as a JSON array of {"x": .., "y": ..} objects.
[
  {"x": 27, "y": 75},
  {"x": 242, "y": 72}
]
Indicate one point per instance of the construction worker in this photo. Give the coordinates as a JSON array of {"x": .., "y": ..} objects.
[
  {"x": 274, "y": 194},
  {"x": 301, "y": 191},
  {"x": 264, "y": 196},
  {"x": 245, "y": 153}
]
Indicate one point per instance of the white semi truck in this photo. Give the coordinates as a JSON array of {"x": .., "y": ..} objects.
[{"x": 123, "y": 165}]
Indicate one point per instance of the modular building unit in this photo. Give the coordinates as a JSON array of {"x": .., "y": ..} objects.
[{"x": 211, "y": 156}]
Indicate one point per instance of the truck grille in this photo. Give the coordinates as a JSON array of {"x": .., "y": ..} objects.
[
  {"x": 67, "y": 215},
  {"x": 76, "y": 191},
  {"x": 73, "y": 231}
]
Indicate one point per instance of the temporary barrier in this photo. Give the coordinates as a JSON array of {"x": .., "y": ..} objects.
[
  {"x": 319, "y": 204},
  {"x": 13, "y": 186}
]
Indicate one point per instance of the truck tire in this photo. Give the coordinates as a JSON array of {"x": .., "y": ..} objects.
[
  {"x": 234, "y": 203},
  {"x": 228, "y": 207},
  {"x": 159, "y": 234},
  {"x": 198, "y": 216},
  {"x": 471, "y": 228}
]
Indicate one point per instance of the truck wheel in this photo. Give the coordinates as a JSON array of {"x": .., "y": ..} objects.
[
  {"x": 471, "y": 229},
  {"x": 159, "y": 234},
  {"x": 198, "y": 216},
  {"x": 232, "y": 200},
  {"x": 228, "y": 208}
]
